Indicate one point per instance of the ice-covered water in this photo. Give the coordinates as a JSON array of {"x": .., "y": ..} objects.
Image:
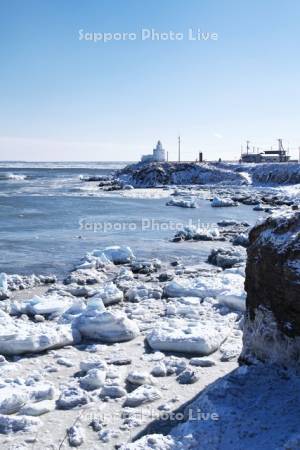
[{"x": 49, "y": 218}]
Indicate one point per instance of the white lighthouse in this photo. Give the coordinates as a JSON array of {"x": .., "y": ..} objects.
[{"x": 158, "y": 155}]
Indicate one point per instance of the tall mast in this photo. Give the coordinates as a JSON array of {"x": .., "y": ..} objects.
[{"x": 179, "y": 149}]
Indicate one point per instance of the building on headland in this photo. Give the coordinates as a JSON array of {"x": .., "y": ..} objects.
[
  {"x": 279, "y": 155},
  {"x": 158, "y": 154}
]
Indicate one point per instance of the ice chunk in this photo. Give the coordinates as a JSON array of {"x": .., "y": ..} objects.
[
  {"x": 109, "y": 294},
  {"x": 13, "y": 424},
  {"x": 116, "y": 254},
  {"x": 71, "y": 397},
  {"x": 94, "y": 379},
  {"x": 106, "y": 326},
  {"x": 53, "y": 304},
  {"x": 180, "y": 336},
  {"x": 18, "y": 337},
  {"x": 141, "y": 395},
  {"x": 12, "y": 399},
  {"x": 218, "y": 202}
]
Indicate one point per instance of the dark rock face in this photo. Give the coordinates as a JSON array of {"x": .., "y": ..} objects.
[{"x": 272, "y": 323}]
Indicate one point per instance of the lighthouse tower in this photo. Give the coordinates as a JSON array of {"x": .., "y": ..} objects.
[{"x": 159, "y": 154}]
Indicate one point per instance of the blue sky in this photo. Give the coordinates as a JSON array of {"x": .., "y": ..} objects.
[{"x": 62, "y": 98}]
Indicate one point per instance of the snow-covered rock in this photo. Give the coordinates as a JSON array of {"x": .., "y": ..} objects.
[
  {"x": 168, "y": 173},
  {"x": 192, "y": 232},
  {"x": 188, "y": 376},
  {"x": 145, "y": 266},
  {"x": 227, "y": 257},
  {"x": 241, "y": 239},
  {"x": 272, "y": 322},
  {"x": 76, "y": 435}
]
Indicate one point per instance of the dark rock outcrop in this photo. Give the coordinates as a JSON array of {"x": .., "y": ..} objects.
[
  {"x": 272, "y": 323},
  {"x": 170, "y": 173}
]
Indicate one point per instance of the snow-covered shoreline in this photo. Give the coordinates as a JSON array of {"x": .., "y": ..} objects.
[
  {"x": 122, "y": 342},
  {"x": 96, "y": 356}
]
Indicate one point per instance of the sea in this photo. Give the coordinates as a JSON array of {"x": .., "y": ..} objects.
[{"x": 50, "y": 218}]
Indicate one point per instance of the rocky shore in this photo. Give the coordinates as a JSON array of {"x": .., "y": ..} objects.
[{"x": 193, "y": 173}]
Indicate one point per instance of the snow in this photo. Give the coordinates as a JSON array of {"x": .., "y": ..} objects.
[
  {"x": 288, "y": 173},
  {"x": 251, "y": 408}
]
